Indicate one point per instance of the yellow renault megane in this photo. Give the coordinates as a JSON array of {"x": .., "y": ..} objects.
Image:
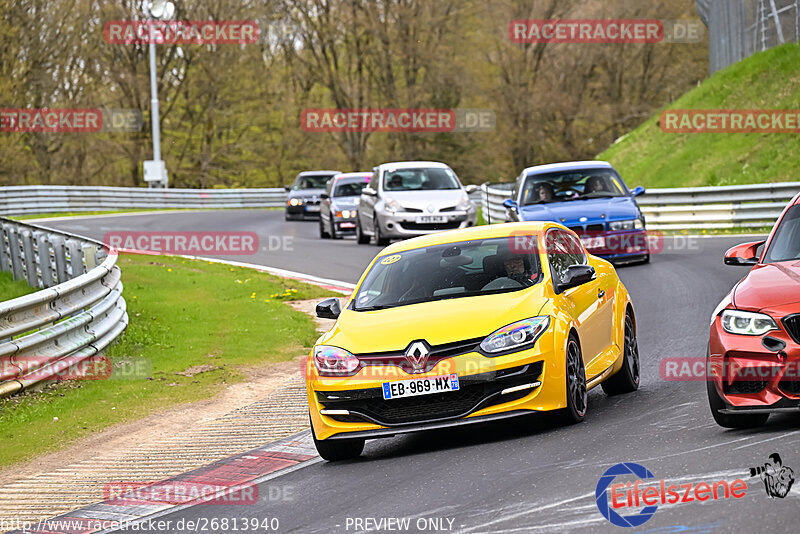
[{"x": 466, "y": 326}]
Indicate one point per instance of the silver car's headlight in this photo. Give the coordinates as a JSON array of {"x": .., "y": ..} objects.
[
  {"x": 631, "y": 224},
  {"x": 464, "y": 204},
  {"x": 345, "y": 214},
  {"x": 391, "y": 206},
  {"x": 747, "y": 323},
  {"x": 516, "y": 335}
]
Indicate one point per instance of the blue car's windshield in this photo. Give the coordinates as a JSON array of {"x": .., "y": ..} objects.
[
  {"x": 454, "y": 270},
  {"x": 571, "y": 185}
]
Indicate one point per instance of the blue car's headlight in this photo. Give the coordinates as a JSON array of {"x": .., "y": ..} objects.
[
  {"x": 632, "y": 224},
  {"x": 516, "y": 335}
]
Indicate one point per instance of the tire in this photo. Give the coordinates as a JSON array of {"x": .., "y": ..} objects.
[
  {"x": 645, "y": 260},
  {"x": 334, "y": 234},
  {"x": 379, "y": 239},
  {"x": 322, "y": 233},
  {"x": 577, "y": 396},
  {"x": 361, "y": 239},
  {"x": 336, "y": 450},
  {"x": 726, "y": 420},
  {"x": 626, "y": 380}
]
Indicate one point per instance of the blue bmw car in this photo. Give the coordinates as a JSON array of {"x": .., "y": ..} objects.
[{"x": 590, "y": 198}]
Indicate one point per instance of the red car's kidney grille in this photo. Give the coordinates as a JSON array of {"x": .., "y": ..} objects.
[{"x": 792, "y": 325}]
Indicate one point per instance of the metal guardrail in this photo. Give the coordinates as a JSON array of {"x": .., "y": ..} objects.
[
  {"x": 686, "y": 208},
  {"x": 78, "y": 312},
  {"x": 746, "y": 206},
  {"x": 24, "y": 199}
]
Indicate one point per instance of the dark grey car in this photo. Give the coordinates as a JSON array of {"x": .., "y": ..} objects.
[{"x": 305, "y": 194}]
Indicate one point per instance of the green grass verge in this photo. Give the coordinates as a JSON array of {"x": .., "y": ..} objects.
[
  {"x": 183, "y": 314},
  {"x": 11, "y": 289},
  {"x": 768, "y": 80}
]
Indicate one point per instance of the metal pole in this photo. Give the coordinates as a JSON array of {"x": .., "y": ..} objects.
[{"x": 154, "y": 118}]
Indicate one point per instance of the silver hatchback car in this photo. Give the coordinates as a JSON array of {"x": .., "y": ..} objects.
[{"x": 413, "y": 198}]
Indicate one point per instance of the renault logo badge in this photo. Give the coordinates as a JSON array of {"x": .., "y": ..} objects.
[{"x": 417, "y": 355}]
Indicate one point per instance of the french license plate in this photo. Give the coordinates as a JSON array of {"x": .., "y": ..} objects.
[
  {"x": 420, "y": 386},
  {"x": 428, "y": 219},
  {"x": 312, "y": 208},
  {"x": 593, "y": 243}
]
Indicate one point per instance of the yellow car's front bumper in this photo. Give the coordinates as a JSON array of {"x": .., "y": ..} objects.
[{"x": 490, "y": 388}]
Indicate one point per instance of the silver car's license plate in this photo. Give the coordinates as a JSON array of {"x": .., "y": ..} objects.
[{"x": 428, "y": 219}]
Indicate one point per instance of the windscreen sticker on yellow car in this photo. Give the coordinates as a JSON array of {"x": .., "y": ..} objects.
[{"x": 391, "y": 259}]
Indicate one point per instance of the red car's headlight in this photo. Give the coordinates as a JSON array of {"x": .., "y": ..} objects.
[
  {"x": 747, "y": 323},
  {"x": 333, "y": 361}
]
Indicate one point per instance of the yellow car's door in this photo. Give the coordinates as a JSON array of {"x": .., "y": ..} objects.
[{"x": 589, "y": 304}]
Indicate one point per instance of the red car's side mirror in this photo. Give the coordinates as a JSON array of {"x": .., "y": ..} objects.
[{"x": 744, "y": 254}]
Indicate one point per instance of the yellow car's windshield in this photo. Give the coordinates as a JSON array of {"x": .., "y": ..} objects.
[{"x": 449, "y": 271}]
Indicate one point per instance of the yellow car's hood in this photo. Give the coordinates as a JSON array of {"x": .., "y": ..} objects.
[{"x": 437, "y": 322}]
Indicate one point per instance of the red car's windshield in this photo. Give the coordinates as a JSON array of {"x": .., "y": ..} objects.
[{"x": 785, "y": 244}]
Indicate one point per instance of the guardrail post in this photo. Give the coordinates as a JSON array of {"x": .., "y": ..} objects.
[
  {"x": 30, "y": 259},
  {"x": 45, "y": 263},
  {"x": 89, "y": 256},
  {"x": 16, "y": 254},
  {"x": 75, "y": 258},
  {"x": 60, "y": 252},
  {"x": 5, "y": 263}
]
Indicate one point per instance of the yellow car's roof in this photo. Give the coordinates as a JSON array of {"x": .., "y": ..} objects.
[{"x": 476, "y": 232}]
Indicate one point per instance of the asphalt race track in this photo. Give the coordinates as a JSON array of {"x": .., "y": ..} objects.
[{"x": 529, "y": 474}]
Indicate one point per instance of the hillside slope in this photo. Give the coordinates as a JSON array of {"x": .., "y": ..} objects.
[{"x": 768, "y": 80}]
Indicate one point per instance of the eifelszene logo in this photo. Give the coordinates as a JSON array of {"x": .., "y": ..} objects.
[{"x": 649, "y": 495}]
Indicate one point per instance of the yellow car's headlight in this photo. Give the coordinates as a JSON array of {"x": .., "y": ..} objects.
[
  {"x": 516, "y": 335},
  {"x": 333, "y": 361}
]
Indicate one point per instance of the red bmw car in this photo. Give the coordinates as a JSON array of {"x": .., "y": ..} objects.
[{"x": 754, "y": 345}]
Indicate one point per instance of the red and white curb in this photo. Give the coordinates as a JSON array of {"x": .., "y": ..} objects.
[{"x": 233, "y": 474}]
